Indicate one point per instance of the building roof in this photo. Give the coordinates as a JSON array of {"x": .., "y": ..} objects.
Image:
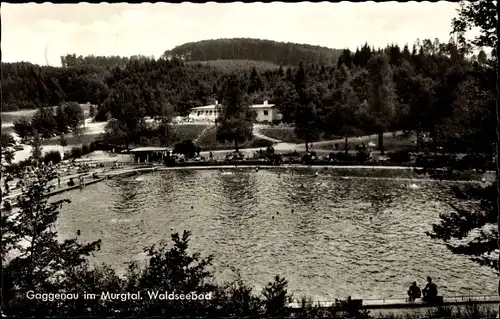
[
  {"x": 206, "y": 107},
  {"x": 262, "y": 106},
  {"x": 213, "y": 107},
  {"x": 150, "y": 149}
]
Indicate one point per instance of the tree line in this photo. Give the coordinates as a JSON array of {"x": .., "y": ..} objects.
[{"x": 72, "y": 60}]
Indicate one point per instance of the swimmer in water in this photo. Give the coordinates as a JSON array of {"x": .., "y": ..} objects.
[{"x": 78, "y": 232}]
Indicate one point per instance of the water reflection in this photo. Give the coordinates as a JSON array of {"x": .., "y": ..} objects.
[{"x": 331, "y": 238}]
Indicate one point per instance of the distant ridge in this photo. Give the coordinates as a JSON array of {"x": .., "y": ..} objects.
[{"x": 279, "y": 53}]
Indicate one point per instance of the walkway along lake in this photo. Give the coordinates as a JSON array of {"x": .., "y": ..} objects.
[{"x": 329, "y": 236}]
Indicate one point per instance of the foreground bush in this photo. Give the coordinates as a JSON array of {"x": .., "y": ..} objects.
[
  {"x": 400, "y": 156},
  {"x": 186, "y": 148},
  {"x": 77, "y": 152},
  {"x": 52, "y": 156}
]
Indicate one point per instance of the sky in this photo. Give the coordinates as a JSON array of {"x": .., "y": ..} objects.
[{"x": 41, "y": 33}]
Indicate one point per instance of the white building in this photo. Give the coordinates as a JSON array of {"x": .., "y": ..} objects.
[{"x": 265, "y": 112}]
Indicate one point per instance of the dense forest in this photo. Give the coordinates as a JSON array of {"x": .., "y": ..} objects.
[
  {"x": 280, "y": 53},
  {"x": 429, "y": 89}
]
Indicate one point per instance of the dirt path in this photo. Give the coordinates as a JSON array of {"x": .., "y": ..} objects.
[
  {"x": 203, "y": 133},
  {"x": 257, "y": 133},
  {"x": 290, "y": 147}
]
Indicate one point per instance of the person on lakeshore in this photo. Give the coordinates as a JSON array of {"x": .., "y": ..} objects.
[
  {"x": 58, "y": 181},
  {"x": 430, "y": 290},
  {"x": 6, "y": 186},
  {"x": 351, "y": 308},
  {"x": 414, "y": 292}
]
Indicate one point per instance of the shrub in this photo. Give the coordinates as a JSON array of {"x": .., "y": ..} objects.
[
  {"x": 276, "y": 297},
  {"x": 440, "y": 312},
  {"x": 400, "y": 156},
  {"x": 260, "y": 142},
  {"x": 362, "y": 156},
  {"x": 76, "y": 152},
  {"x": 291, "y": 154},
  {"x": 7, "y": 140},
  {"x": 436, "y": 161},
  {"x": 470, "y": 161},
  {"x": 342, "y": 157},
  {"x": 52, "y": 156},
  {"x": 186, "y": 148},
  {"x": 85, "y": 149}
]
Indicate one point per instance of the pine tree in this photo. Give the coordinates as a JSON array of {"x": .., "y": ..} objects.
[
  {"x": 382, "y": 96},
  {"x": 235, "y": 124},
  {"x": 33, "y": 257},
  {"x": 36, "y": 147}
]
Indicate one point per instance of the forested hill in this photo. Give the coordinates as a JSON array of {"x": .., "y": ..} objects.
[{"x": 254, "y": 49}]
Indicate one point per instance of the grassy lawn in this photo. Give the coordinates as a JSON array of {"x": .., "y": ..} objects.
[
  {"x": 8, "y": 117},
  {"x": 284, "y": 134},
  {"x": 187, "y": 132},
  {"x": 8, "y": 130},
  {"x": 73, "y": 140},
  {"x": 208, "y": 142},
  {"x": 287, "y": 135},
  {"x": 390, "y": 143}
]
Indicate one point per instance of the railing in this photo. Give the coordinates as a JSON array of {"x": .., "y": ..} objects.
[{"x": 405, "y": 302}]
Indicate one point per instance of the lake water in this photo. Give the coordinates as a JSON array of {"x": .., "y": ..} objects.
[{"x": 330, "y": 237}]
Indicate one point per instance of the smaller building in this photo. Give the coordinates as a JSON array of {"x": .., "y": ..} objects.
[
  {"x": 150, "y": 154},
  {"x": 266, "y": 113}
]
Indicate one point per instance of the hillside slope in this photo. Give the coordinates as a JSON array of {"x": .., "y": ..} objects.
[{"x": 254, "y": 49}]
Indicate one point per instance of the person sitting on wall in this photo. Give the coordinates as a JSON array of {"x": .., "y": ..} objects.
[
  {"x": 414, "y": 292},
  {"x": 71, "y": 182},
  {"x": 430, "y": 291}
]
